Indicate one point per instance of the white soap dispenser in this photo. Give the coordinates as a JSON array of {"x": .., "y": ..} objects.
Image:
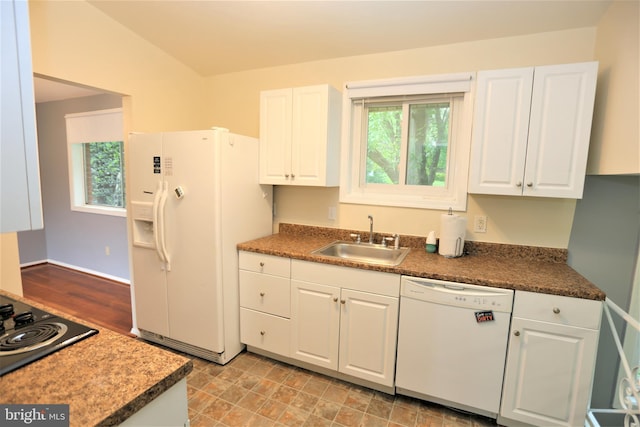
[{"x": 430, "y": 245}]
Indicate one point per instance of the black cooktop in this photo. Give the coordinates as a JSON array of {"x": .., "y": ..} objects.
[{"x": 28, "y": 334}]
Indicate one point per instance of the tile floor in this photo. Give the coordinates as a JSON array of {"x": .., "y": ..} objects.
[{"x": 252, "y": 390}]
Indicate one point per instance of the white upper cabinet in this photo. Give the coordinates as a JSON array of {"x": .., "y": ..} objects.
[
  {"x": 531, "y": 130},
  {"x": 20, "y": 203},
  {"x": 300, "y": 136}
]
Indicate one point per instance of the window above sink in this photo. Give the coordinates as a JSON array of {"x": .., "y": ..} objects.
[{"x": 406, "y": 142}]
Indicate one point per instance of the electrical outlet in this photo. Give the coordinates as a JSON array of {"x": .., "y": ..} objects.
[
  {"x": 480, "y": 224},
  {"x": 332, "y": 213}
]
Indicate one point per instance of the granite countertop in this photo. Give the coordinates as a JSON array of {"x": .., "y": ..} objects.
[
  {"x": 523, "y": 268},
  {"x": 105, "y": 378}
]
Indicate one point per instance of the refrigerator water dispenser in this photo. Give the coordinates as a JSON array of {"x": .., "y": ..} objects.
[{"x": 143, "y": 224}]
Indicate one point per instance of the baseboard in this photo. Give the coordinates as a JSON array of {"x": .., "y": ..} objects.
[{"x": 80, "y": 269}]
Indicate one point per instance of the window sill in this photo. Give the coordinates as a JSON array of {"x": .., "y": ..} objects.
[
  {"x": 405, "y": 201},
  {"x": 100, "y": 210}
]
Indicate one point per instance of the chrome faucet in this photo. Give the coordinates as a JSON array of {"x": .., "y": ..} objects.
[{"x": 370, "y": 229}]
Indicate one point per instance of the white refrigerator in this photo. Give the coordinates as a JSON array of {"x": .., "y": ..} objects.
[{"x": 192, "y": 197}]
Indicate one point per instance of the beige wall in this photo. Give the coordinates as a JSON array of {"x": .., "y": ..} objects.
[
  {"x": 615, "y": 139},
  {"x": 74, "y": 41},
  {"x": 10, "y": 279},
  {"x": 526, "y": 221}
]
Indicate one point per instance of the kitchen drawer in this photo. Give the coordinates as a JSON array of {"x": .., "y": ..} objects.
[
  {"x": 263, "y": 292},
  {"x": 375, "y": 282},
  {"x": 569, "y": 311},
  {"x": 270, "y": 333},
  {"x": 261, "y": 263}
]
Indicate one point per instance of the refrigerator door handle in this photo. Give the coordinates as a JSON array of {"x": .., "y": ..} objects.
[
  {"x": 157, "y": 226},
  {"x": 163, "y": 243}
]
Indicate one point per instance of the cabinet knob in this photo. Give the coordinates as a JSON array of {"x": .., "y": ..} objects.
[
  {"x": 516, "y": 333},
  {"x": 262, "y": 333},
  {"x": 293, "y": 176},
  {"x": 261, "y": 264},
  {"x": 529, "y": 184},
  {"x": 343, "y": 301},
  {"x": 286, "y": 175},
  {"x": 518, "y": 184},
  {"x": 261, "y": 294},
  {"x": 556, "y": 310},
  {"x": 335, "y": 299}
]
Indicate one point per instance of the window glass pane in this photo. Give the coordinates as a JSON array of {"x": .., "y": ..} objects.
[
  {"x": 428, "y": 144},
  {"x": 104, "y": 174},
  {"x": 384, "y": 138}
]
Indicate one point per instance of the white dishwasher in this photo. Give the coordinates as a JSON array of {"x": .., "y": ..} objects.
[{"x": 452, "y": 343}]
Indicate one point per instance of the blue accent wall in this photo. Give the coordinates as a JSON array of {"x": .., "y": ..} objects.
[
  {"x": 76, "y": 239},
  {"x": 603, "y": 247}
]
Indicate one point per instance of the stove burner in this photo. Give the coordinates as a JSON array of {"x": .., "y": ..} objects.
[{"x": 31, "y": 338}]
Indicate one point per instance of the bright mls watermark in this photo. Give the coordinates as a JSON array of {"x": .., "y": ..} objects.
[{"x": 34, "y": 415}]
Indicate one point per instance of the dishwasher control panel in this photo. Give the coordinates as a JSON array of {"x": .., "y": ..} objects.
[{"x": 457, "y": 294}]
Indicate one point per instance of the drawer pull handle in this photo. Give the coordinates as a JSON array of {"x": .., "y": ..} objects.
[
  {"x": 261, "y": 294},
  {"x": 516, "y": 333},
  {"x": 262, "y": 333},
  {"x": 556, "y": 310}
]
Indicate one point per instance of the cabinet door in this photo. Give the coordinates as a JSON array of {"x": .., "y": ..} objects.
[
  {"x": 314, "y": 147},
  {"x": 500, "y": 125},
  {"x": 368, "y": 336},
  {"x": 275, "y": 136},
  {"x": 315, "y": 323},
  {"x": 20, "y": 203},
  {"x": 560, "y": 129},
  {"x": 548, "y": 373}
]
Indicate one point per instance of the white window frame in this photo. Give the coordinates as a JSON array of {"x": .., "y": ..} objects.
[
  {"x": 91, "y": 126},
  {"x": 454, "y": 196}
]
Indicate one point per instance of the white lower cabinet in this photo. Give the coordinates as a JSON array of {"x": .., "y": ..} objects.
[
  {"x": 339, "y": 321},
  {"x": 264, "y": 302},
  {"x": 550, "y": 361},
  {"x": 344, "y": 321},
  {"x": 368, "y": 336},
  {"x": 315, "y": 323}
]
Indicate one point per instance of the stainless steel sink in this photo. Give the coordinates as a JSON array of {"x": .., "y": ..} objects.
[{"x": 363, "y": 252}]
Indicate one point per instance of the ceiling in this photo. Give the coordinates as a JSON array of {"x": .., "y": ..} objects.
[{"x": 217, "y": 37}]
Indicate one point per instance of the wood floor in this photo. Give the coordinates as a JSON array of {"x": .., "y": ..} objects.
[{"x": 97, "y": 300}]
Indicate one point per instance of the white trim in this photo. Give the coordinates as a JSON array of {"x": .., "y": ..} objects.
[
  {"x": 100, "y": 210},
  {"x": 80, "y": 269}
]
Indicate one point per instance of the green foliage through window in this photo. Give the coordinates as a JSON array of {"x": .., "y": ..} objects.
[
  {"x": 104, "y": 174},
  {"x": 407, "y": 152}
]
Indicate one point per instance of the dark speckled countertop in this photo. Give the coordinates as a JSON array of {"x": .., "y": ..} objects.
[
  {"x": 105, "y": 378},
  {"x": 523, "y": 268}
]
